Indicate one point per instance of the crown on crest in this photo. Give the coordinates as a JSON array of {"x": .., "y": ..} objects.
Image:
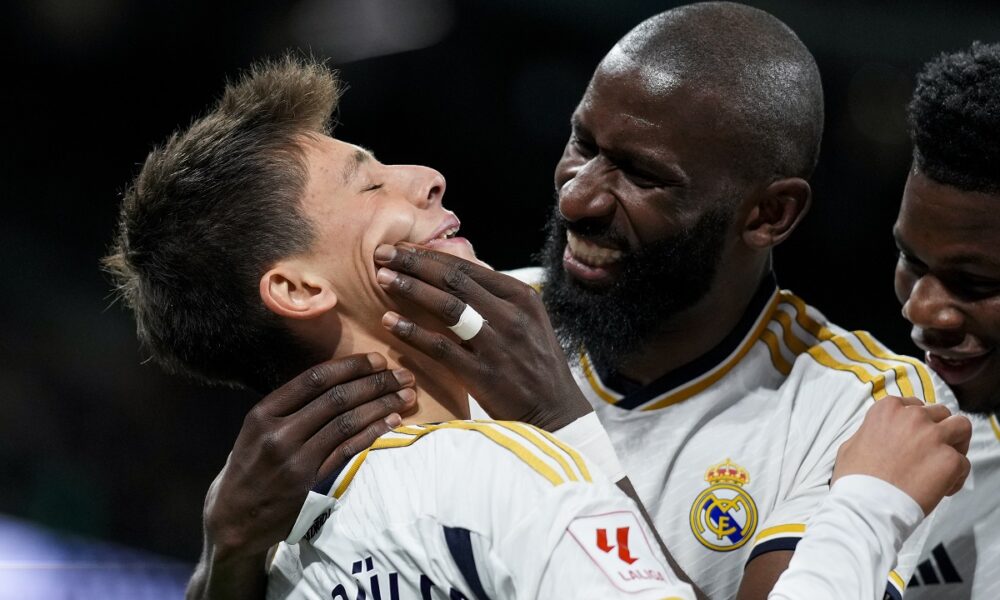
[{"x": 727, "y": 472}]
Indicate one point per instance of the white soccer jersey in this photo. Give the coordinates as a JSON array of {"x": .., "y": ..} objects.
[
  {"x": 732, "y": 453},
  {"x": 961, "y": 559},
  {"x": 474, "y": 510}
]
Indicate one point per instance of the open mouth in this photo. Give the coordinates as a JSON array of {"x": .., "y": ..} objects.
[
  {"x": 447, "y": 230},
  {"x": 956, "y": 370},
  {"x": 589, "y": 253},
  {"x": 445, "y": 235},
  {"x": 589, "y": 262},
  {"x": 446, "y": 239}
]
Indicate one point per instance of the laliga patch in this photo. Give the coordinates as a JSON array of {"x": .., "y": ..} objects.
[{"x": 619, "y": 546}]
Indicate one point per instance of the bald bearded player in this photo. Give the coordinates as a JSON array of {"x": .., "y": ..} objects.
[
  {"x": 694, "y": 204},
  {"x": 687, "y": 163}
]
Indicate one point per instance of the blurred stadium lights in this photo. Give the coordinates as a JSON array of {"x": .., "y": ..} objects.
[
  {"x": 38, "y": 564},
  {"x": 75, "y": 25},
  {"x": 350, "y": 30}
]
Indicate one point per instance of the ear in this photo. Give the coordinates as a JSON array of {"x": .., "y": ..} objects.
[
  {"x": 778, "y": 210},
  {"x": 291, "y": 290}
]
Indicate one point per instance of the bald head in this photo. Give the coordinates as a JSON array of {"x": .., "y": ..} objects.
[{"x": 761, "y": 75}]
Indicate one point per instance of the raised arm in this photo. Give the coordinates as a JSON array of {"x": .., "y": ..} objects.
[{"x": 894, "y": 470}]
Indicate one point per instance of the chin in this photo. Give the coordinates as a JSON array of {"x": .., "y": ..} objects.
[{"x": 978, "y": 401}]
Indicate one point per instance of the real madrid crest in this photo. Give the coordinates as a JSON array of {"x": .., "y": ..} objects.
[{"x": 724, "y": 516}]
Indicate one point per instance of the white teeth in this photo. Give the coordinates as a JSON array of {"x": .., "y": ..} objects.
[
  {"x": 590, "y": 253},
  {"x": 448, "y": 233}
]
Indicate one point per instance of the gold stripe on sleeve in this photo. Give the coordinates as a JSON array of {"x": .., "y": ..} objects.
[
  {"x": 509, "y": 444},
  {"x": 930, "y": 396},
  {"x": 779, "y": 361},
  {"x": 526, "y": 432},
  {"x": 577, "y": 459},
  {"x": 804, "y": 320},
  {"x": 902, "y": 379},
  {"x": 897, "y": 580},
  {"x": 778, "y": 530},
  {"x": 877, "y": 382},
  {"x": 794, "y": 344}
]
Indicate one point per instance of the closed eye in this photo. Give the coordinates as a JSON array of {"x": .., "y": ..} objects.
[
  {"x": 584, "y": 147},
  {"x": 373, "y": 187}
]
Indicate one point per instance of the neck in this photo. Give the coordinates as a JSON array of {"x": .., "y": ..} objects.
[
  {"x": 695, "y": 331},
  {"x": 440, "y": 395}
]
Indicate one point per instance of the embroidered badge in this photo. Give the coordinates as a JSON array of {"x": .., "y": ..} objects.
[{"x": 724, "y": 516}]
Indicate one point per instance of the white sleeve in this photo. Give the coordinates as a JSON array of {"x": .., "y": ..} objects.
[
  {"x": 586, "y": 541},
  {"x": 587, "y": 435},
  {"x": 853, "y": 541}
]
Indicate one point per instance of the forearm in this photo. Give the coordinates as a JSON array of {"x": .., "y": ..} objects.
[
  {"x": 221, "y": 577},
  {"x": 851, "y": 543}
]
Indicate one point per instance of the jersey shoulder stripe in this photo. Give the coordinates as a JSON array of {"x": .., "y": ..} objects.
[
  {"x": 551, "y": 459},
  {"x": 855, "y": 352}
]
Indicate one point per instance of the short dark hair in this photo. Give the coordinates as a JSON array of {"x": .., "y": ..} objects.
[
  {"x": 210, "y": 211},
  {"x": 954, "y": 119},
  {"x": 757, "y": 63}
]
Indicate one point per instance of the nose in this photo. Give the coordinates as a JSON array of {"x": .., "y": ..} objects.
[
  {"x": 423, "y": 186},
  {"x": 588, "y": 194},
  {"x": 932, "y": 307}
]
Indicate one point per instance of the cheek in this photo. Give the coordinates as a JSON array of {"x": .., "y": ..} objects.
[
  {"x": 988, "y": 314},
  {"x": 392, "y": 224}
]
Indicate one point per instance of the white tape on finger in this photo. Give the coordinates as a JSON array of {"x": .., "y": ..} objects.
[{"x": 469, "y": 324}]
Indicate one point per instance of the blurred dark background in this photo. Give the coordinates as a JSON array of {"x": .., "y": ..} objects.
[{"x": 97, "y": 442}]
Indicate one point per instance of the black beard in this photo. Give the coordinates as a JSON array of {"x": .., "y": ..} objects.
[{"x": 655, "y": 283}]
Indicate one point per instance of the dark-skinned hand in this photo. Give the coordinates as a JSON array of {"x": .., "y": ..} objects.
[
  {"x": 514, "y": 367},
  {"x": 292, "y": 439}
]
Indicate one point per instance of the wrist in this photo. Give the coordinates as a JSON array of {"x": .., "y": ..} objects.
[
  {"x": 554, "y": 416},
  {"x": 230, "y": 547},
  {"x": 231, "y": 573}
]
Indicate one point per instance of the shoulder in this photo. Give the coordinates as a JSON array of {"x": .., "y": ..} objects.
[
  {"x": 479, "y": 454},
  {"x": 533, "y": 276},
  {"x": 522, "y": 450},
  {"x": 828, "y": 359}
]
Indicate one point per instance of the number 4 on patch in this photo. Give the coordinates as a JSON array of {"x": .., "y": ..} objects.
[
  {"x": 618, "y": 545},
  {"x": 622, "y": 539}
]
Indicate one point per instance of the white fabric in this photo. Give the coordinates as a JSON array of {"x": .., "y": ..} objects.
[
  {"x": 469, "y": 324},
  {"x": 476, "y": 411},
  {"x": 852, "y": 543},
  {"x": 778, "y": 406},
  {"x": 962, "y": 552},
  {"x": 532, "y": 519},
  {"x": 316, "y": 506},
  {"x": 587, "y": 435}
]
